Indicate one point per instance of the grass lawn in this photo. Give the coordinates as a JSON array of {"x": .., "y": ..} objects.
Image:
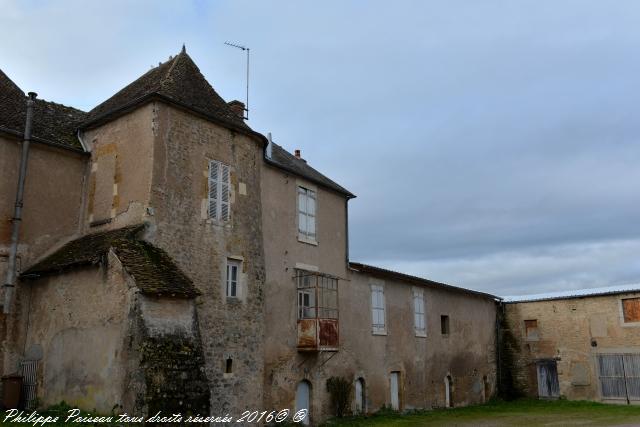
[{"x": 516, "y": 413}]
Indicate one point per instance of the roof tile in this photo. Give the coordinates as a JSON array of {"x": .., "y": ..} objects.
[{"x": 152, "y": 269}]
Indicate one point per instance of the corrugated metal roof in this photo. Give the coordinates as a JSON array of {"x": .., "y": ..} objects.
[{"x": 575, "y": 293}]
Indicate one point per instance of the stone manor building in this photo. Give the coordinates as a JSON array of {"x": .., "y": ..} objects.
[{"x": 172, "y": 258}]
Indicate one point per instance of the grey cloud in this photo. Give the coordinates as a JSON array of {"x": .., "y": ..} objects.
[{"x": 480, "y": 137}]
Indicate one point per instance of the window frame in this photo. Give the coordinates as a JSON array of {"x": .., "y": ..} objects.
[
  {"x": 624, "y": 323},
  {"x": 378, "y": 328},
  {"x": 419, "y": 312},
  {"x": 237, "y": 264},
  {"x": 306, "y": 192},
  {"x": 219, "y": 189}
]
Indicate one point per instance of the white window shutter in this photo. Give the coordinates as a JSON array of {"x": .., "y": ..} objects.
[
  {"x": 214, "y": 170},
  {"x": 224, "y": 193},
  {"x": 219, "y": 191}
]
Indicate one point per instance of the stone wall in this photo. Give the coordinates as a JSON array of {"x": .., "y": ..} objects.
[
  {"x": 573, "y": 332},
  {"x": 230, "y": 328},
  {"x": 78, "y": 323}
]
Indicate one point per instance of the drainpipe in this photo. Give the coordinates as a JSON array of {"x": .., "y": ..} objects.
[{"x": 9, "y": 283}]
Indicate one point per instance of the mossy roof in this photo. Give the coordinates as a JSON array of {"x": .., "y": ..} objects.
[
  {"x": 152, "y": 269},
  {"x": 53, "y": 123}
]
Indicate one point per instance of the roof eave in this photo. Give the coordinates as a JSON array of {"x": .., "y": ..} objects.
[
  {"x": 365, "y": 268},
  {"x": 44, "y": 141},
  {"x": 154, "y": 96},
  {"x": 277, "y": 165}
]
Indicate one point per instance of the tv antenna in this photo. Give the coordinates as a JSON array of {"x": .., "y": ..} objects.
[{"x": 246, "y": 49}]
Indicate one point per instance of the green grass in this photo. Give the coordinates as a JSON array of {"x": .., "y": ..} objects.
[{"x": 499, "y": 413}]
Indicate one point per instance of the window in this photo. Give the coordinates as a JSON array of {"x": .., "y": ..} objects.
[
  {"x": 631, "y": 310},
  {"x": 306, "y": 304},
  {"x": 311, "y": 285},
  {"x": 233, "y": 270},
  {"x": 419, "y": 313},
  {"x": 444, "y": 324},
  {"x": 531, "y": 329},
  {"x": 377, "y": 309},
  {"x": 219, "y": 189},
  {"x": 307, "y": 213}
]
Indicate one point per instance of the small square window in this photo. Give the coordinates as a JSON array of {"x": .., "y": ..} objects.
[
  {"x": 444, "y": 324},
  {"x": 631, "y": 310},
  {"x": 233, "y": 273}
]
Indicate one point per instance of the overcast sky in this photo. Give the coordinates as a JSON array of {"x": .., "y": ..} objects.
[{"x": 492, "y": 144}]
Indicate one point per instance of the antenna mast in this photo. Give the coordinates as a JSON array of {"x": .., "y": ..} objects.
[{"x": 247, "y": 50}]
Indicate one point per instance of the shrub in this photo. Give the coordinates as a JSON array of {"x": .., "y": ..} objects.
[{"x": 339, "y": 389}]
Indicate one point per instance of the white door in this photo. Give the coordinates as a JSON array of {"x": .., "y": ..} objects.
[
  {"x": 447, "y": 392},
  {"x": 395, "y": 398},
  {"x": 359, "y": 396},
  {"x": 302, "y": 399}
]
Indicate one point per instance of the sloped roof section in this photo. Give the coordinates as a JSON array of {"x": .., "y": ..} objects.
[
  {"x": 52, "y": 123},
  {"x": 178, "y": 80},
  {"x": 575, "y": 293},
  {"x": 381, "y": 272},
  {"x": 282, "y": 159},
  {"x": 152, "y": 269}
]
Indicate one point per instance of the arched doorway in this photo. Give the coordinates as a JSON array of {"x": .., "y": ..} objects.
[
  {"x": 448, "y": 391},
  {"x": 303, "y": 399},
  {"x": 361, "y": 406}
]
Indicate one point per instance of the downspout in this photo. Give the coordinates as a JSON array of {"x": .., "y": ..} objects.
[
  {"x": 10, "y": 280},
  {"x": 346, "y": 230}
]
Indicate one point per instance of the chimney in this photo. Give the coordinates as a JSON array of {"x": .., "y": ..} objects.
[
  {"x": 297, "y": 154},
  {"x": 237, "y": 107}
]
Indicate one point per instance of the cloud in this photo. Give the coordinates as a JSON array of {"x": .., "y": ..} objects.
[{"x": 474, "y": 133}]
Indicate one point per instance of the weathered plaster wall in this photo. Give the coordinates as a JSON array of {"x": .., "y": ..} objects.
[
  {"x": 230, "y": 328},
  {"x": 51, "y": 213},
  {"x": 284, "y": 365},
  {"x": 568, "y": 330},
  {"x": 119, "y": 183},
  {"x": 80, "y": 322},
  {"x": 51, "y": 200},
  {"x": 467, "y": 354}
]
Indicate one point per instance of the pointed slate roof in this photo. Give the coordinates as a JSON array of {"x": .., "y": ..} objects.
[
  {"x": 152, "y": 269},
  {"x": 53, "y": 123},
  {"x": 178, "y": 81}
]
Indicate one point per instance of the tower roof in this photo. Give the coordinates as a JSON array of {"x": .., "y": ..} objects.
[{"x": 178, "y": 81}]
